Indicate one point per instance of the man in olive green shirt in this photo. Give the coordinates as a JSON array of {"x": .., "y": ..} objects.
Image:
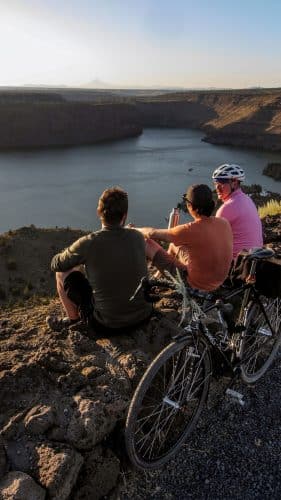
[{"x": 114, "y": 261}]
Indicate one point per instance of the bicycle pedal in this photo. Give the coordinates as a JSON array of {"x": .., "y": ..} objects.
[
  {"x": 265, "y": 332},
  {"x": 235, "y": 396}
]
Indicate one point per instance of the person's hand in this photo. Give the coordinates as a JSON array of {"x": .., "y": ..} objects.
[
  {"x": 146, "y": 231},
  {"x": 130, "y": 225}
]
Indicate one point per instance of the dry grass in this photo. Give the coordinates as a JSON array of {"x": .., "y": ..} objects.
[{"x": 272, "y": 207}]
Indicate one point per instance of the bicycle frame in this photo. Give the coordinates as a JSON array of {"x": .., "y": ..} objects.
[{"x": 198, "y": 327}]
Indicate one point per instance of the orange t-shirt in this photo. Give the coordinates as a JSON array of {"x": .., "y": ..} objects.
[{"x": 209, "y": 244}]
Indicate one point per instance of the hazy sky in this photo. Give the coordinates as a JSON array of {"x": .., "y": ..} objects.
[{"x": 218, "y": 43}]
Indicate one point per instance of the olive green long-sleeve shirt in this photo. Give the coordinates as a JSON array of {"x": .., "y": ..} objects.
[{"x": 115, "y": 262}]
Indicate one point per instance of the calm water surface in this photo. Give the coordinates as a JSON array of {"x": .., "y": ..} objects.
[{"x": 61, "y": 187}]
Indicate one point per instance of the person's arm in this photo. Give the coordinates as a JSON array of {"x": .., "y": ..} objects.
[
  {"x": 72, "y": 256},
  {"x": 160, "y": 234}
]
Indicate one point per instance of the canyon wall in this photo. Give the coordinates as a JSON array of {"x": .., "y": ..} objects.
[
  {"x": 238, "y": 118},
  {"x": 44, "y": 120},
  {"x": 41, "y": 118}
]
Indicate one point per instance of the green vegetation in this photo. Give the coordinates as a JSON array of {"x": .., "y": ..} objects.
[{"x": 272, "y": 207}]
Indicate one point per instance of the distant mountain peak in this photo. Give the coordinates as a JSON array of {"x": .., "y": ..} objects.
[{"x": 97, "y": 84}]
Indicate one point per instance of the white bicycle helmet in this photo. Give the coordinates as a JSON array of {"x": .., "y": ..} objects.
[{"x": 229, "y": 171}]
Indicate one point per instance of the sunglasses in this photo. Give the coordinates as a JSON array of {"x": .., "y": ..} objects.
[
  {"x": 187, "y": 200},
  {"x": 222, "y": 181}
]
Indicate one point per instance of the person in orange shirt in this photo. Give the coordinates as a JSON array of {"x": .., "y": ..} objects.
[{"x": 203, "y": 248}]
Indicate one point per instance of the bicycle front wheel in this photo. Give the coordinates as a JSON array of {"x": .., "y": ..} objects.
[
  {"x": 260, "y": 343},
  {"x": 167, "y": 403}
]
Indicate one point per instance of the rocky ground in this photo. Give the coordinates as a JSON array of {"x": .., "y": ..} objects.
[{"x": 64, "y": 397}]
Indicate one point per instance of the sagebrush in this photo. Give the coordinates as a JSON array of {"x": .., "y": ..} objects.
[{"x": 272, "y": 207}]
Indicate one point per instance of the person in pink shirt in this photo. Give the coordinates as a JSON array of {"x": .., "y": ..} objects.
[{"x": 237, "y": 208}]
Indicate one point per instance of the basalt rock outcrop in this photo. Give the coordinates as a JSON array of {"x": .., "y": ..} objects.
[
  {"x": 180, "y": 112},
  {"x": 239, "y": 118},
  {"x": 273, "y": 170},
  {"x": 32, "y": 120},
  {"x": 63, "y": 398},
  {"x": 250, "y": 118}
]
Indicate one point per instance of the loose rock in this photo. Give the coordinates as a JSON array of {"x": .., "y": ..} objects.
[
  {"x": 58, "y": 469},
  {"x": 19, "y": 486}
]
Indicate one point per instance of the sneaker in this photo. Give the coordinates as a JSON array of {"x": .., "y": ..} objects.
[{"x": 58, "y": 324}]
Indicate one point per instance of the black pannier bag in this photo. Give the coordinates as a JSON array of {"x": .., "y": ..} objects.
[{"x": 268, "y": 274}]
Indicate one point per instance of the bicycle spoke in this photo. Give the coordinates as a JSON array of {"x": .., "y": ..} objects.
[
  {"x": 148, "y": 435},
  {"x": 196, "y": 372},
  {"x": 262, "y": 338},
  {"x": 157, "y": 434},
  {"x": 198, "y": 386},
  {"x": 160, "y": 415},
  {"x": 168, "y": 429},
  {"x": 146, "y": 418}
]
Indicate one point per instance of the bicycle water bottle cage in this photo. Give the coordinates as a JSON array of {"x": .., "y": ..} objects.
[{"x": 260, "y": 253}]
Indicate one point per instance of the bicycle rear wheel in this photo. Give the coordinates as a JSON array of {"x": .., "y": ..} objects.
[
  {"x": 259, "y": 344},
  {"x": 167, "y": 403}
]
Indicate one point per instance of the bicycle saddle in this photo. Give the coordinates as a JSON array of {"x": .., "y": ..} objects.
[{"x": 260, "y": 253}]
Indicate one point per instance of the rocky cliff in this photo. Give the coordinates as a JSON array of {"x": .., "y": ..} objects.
[
  {"x": 273, "y": 170},
  {"x": 238, "y": 118},
  {"x": 44, "y": 120},
  {"x": 249, "y": 118}
]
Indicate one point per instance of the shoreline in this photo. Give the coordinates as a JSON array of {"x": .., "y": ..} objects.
[{"x": 57, "y": 117}]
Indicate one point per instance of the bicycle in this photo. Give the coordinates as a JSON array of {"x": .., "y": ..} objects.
[{"x": 170, "y": 396}]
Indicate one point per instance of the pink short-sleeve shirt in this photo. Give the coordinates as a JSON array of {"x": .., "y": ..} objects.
[{"x": 244, "y": 219}]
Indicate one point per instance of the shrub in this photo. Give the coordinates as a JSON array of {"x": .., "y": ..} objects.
[
  {"x": 252, "y": 189},
  {"x": 272, "y": 207}
]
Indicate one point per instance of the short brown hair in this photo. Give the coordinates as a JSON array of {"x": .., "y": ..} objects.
[
  {"x": 113, "y": 205},
  {"x": 201, "y": 198}
]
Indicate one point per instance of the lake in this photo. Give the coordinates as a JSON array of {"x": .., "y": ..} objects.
[{"x": 61, "y": 187}]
